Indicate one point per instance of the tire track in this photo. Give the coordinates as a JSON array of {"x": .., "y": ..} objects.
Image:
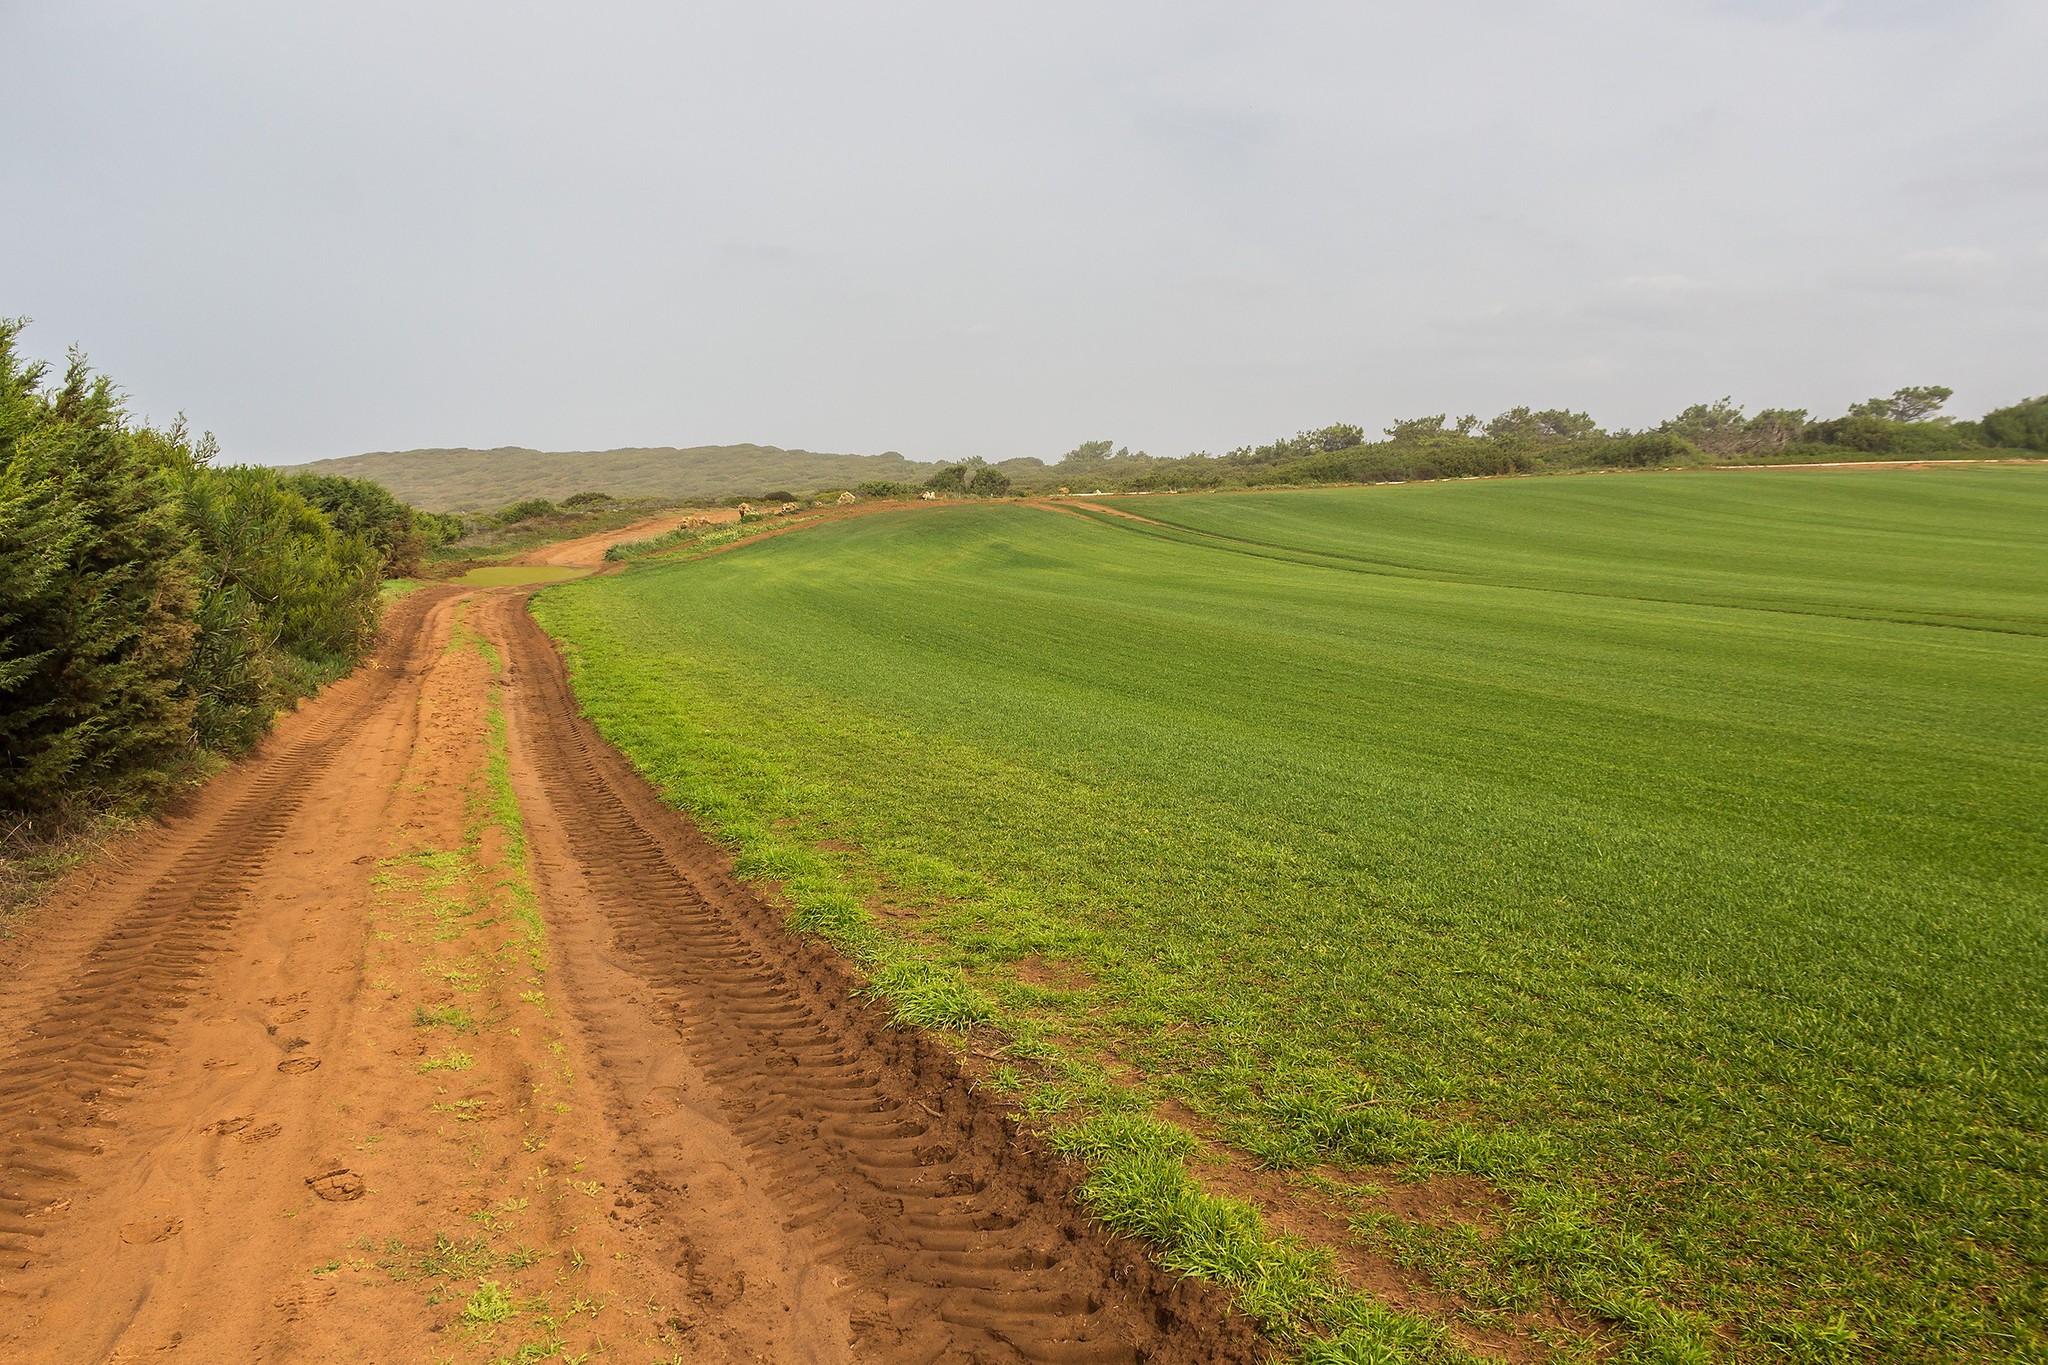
[
  {"x": 63, "y": 1083},
  {"x": 955, "y": 1238}
]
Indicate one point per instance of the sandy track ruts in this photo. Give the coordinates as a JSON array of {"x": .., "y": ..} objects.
[
  {"x": 219, "y": 1136},
  {"x": 88, "y": 1001},
  {"x": 952, "y": 1237}
]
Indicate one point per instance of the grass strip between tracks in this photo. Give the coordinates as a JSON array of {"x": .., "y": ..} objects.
[{"x": 461, "y": 938}]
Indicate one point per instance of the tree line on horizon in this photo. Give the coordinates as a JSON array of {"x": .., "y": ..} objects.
[
  {"x": 155, "y": 606},
  {"x": 1906, "y": 425}
]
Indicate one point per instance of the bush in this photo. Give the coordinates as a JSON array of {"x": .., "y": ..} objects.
[
  {"x": 151, "y": 605},
  {"x": 96, "y": 593},
  {"x": 285, "y": 601},
  {"x": 525, "y": 510},
  {"x": 1648, "y": 451},
  {"x": 1883, "y": 436},
  {"x": 366, "y": 509},
  {"x": 2023, "y": 426},
  {"x": 593, "y": 499}
]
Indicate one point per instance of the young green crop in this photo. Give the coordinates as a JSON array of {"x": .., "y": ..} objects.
[{"x": 1667, "y": 850}]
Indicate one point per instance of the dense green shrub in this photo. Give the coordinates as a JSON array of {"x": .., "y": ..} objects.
[
  {"x": 1649, "y": 450},
  {"x": 1884, "y": 436},
  {"x": 364, "y": 508},
  {"x": 975, "y": 477},
  {"x": 95, "y": 590},
  {"x": 525, "y": 510},
  {"x": 285, "y": 600},
  {"x": 2023, "y": 426},
  {"x": 151, "y": 604}
]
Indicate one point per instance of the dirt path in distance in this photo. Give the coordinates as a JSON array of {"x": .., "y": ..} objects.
[
  {"x": 428, "y": 1033},
  {"x": 589, "y": 550}
]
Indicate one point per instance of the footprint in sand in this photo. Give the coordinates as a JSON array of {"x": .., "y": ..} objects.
[
  {"x": 298, "y": 1066},
  {"x": 337, "y": 1186},
  {"x": 151, "y": 1230}
]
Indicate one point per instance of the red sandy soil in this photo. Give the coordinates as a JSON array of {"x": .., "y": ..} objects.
[{"x": 324, "y": 1067}]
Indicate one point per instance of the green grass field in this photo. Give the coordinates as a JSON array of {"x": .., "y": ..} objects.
[
  {"x": 1665, "y": 851},
  {"x": 508, "y": 575}
]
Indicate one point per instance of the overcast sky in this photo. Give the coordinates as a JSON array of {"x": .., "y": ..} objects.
[{"x": 955, "y": 228}]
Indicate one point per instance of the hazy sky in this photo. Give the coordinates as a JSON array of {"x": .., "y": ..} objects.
[{"x": 957, "y": 228}]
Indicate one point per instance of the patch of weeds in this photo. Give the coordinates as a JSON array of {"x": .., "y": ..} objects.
[
  {"x": 456, "y": 1260},
  {"x": 504, "y": 1207},
  {"x": 1044, "y": 1101},
  {"x": 454, "y": 1061},
  {"x": 1004, "y": 1080},
  {"x": 457, "y": 978},
  {"x": 444, "y": 1016},
  {"x": 1340, "y": 1123},
  {"x": 488, "y": 1306},
  {"x": 924, "y": 995},
  {"x": 1139, "y": 1185}
]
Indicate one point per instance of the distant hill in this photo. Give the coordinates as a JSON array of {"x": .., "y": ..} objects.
[{"x": 481, "y": 480}]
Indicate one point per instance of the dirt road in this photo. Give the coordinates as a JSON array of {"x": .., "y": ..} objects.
[
  {"x": 429, "y": 1034},
  {"x": 589, "y": 550}
]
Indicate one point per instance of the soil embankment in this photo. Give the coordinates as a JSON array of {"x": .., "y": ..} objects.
[{"x": 429, "y": 1033}]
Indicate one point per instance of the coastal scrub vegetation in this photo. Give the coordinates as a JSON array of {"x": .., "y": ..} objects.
[
  {"x": 1907, "y": 425},
  {"x": 156, "y": 606}
]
